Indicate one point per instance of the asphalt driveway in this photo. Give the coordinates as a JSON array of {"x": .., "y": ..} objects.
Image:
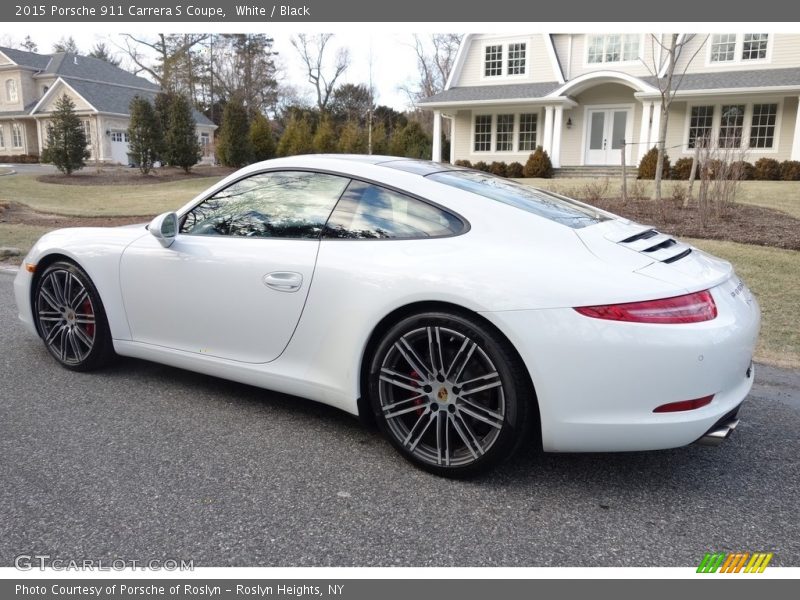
[{"x": 142, "y": 461}]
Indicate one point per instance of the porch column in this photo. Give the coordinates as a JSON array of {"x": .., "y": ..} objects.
[
  {"x": 547, "y": 141},
  {"x": 558, "y": 124},
  {"x": 796, "y": 140},
  {"x": 644, "y": 130},
  {"x": 656, "y": 129},
  {"x": 437, "y": 136},
  {"x": 452, "y": 139}
]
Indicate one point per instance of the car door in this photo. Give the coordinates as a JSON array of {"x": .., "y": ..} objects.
[{"x": 234, "y": 282}]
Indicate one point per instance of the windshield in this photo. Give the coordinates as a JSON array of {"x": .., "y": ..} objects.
[{"x": 539, "y": 202}]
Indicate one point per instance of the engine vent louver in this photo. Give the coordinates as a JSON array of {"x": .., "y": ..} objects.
[{"x": 656, "y": 245}]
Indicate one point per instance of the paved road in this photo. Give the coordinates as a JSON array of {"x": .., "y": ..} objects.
[
  {"x": 35, "y": 168},
  {"x": 142, "y": 461}
]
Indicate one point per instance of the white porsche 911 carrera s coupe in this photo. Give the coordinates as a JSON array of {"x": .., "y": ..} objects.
[{"x": 463, "y": 312}]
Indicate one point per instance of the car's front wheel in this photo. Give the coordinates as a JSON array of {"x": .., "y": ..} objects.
[
  {"x": 449, "y": 393},
  {"x": 70, "y": 317}
]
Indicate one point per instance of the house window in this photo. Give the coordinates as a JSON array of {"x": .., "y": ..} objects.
[
  {"x": 762, "y": 130},
  {"x": 120, "y": 136},
  {"x": 516, "y": 58},
  {"x": 527, "y": 131},
  {"x": 2, "y": 137},
  {"x": 16, "y": 135},
  {"x": 700, "y": 124},
  {"x": 754, "y": 46},
  {"x": 730, "y": 128},
  {"x": 483, "y": 133},
  {"x": 11, "y": 90},
  {"x": 87, "y": 131},
  {"x": 493, "y": 65},
  {"x": 613, "y": 48},
  {"x": 723, "y": 47},
  {"x": 504, "y": 140}
]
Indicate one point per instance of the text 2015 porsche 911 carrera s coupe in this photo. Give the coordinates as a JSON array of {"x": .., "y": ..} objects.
[{"x": 465, "y": 313}]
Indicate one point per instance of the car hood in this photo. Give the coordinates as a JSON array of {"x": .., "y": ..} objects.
[{"x": 644, "y": 250}]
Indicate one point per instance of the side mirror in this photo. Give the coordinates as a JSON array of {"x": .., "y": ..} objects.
[{"x": 164, "y": 228}]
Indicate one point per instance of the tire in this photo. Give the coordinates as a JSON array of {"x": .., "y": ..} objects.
[
  {"x": 70, "y": 318},
  {"x": 450, "y": 394}
]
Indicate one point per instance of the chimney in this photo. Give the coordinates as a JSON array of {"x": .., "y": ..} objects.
[{"x": 75, "y": 59}]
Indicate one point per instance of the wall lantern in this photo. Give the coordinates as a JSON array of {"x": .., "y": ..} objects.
[{"x": 569, "y": 123}]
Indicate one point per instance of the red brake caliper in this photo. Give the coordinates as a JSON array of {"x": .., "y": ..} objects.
[
  {"x": 86, "y": 307},
  {"x": 419, "y": 401}
]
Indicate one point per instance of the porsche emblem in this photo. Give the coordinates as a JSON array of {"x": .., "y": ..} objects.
[{"x": 442, "y": 395}]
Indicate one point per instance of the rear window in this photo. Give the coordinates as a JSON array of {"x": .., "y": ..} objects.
[{"x": 539, "y": 202}]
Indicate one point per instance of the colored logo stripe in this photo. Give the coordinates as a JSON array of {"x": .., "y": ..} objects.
[{"x": 734, "y": 562}]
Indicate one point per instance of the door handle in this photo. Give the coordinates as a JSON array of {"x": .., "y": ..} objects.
[{"x": 283, "y": 281}]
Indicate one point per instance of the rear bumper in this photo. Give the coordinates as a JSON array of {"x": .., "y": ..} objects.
[{"x": 598, "y": 382}]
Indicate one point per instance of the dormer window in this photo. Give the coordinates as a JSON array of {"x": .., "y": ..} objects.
[
  {"x": 738, "y": 47},
  {"x": 505, "y": 59},
  {"x": 493, "y": 65},
  {"x": 11, "y": 91}
]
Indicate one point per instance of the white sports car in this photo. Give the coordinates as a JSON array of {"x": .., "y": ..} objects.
[{"x": 460, "y": 311}]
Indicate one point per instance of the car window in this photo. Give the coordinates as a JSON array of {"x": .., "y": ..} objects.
[
  {"x": 284, "y": 204},
  {"x": 545, "y": 204},
  {"x": 368, "y": 212}
]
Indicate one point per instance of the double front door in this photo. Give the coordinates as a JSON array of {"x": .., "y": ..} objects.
[{"x": 607, "y": 131}]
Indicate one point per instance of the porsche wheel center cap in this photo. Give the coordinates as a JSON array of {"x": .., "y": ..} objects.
[{"x": 442, "y": 395}]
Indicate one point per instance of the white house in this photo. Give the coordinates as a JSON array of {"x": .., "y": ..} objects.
[
  {"x": 580, "y": 95},
  {"x": 30, "y": 85}
]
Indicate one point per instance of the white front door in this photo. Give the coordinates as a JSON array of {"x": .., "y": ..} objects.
[
  {"x": 119, "y": 146},
  {"x": 607, "y": 129}
]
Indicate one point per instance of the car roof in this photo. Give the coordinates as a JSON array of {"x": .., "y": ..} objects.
[{"x": 410, "y": 165}]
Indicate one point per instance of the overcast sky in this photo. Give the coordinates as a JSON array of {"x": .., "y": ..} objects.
[{"x": 393, "y": 58}]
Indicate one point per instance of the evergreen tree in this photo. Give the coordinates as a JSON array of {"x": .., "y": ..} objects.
[
  {"x": 66, "y": 45},
  {"x": 182, "y": 146},
  {"x": 325, "y": 137},
  {"x": 352, "y": 139},
  {"x": 162, "y": 103},
  {"x": 145, "y": 134},
  {"x": 410, "y": 141},
  {"x": 296, "y": 138},
  {"x": 66, "y": 138},
  {"x": 261, "y": 138},
  {"x": 29, "y": 45},
  {"x": 379, "y": 139},
  {"x": 233, "y": 146},
  {"x": 103, "y": 52}
]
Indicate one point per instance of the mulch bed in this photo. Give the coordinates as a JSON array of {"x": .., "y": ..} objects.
[
  {"x": 131, "y": 176},
  {"x": 14, "y": 213},
  {"x": 743, "y": 223}
]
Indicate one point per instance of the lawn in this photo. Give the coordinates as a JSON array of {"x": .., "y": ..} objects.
[
  {"x": 779, "y": 195},
  {"x": 100, "y": 200}
]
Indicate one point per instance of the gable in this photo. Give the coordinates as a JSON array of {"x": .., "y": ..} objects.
[
  {"x": 48, "y": 101},
  {"x": 539, "y": 59}
]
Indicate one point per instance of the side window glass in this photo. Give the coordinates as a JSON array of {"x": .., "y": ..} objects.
[
  {"x": 284, "y": 204},
  {"x": 370, "y": 212}
]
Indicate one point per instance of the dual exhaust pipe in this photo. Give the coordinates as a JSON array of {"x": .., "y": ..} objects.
[{"x": 719, "y": 433}]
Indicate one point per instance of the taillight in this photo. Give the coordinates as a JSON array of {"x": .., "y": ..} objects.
[
  {"x": 684, "y": 405},
  {"x": 691, "y": 308}
]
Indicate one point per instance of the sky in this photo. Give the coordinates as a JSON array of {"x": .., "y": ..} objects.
[{"x": 393, "y": 58}]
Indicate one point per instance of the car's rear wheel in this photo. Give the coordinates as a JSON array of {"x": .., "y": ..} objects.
[
  {"x": 71, "y": 319},
  {"x": 449, "y": 393}
]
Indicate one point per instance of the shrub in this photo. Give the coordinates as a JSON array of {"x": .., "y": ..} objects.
[
  {"x": 234, "y": 147},
  {"x": 66, "y": 139},
  {"x": 538, "y": 165},
  {"x": 515, "y": 170},
  {"x": 19, "y": 158},
  {"x": 463, "y": 163},
  {"x": 593, "y": 191},
  {"x": 790, "y": 170},
  {"x": 181, "y": 143},
  {"x": 498, "y": 168},
  {"x": 767, "y": 169},
  {"x": 742, "y": 170},
  {"x": 262, "y": 141},
  {"x": 682, "y": 169},
  {"x": 481, "y": 166},
  {"x": 647, "y": 166},
  {"x": 144, "y": 132}
]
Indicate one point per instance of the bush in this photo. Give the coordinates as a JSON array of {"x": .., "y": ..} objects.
[
  {"x": 481, "y": 166},
  {"x": 790, "y": 170},
  {"x": 647, "y": 166},
  {"x": 498, "y": 168},
  {"x": 23, "y": 159},
  {"x": 262, "y": 141},
  {"x": 66, "y": 138},
  {"x": 742, "y": 170},
  {"x": 234, "y": 147},
  {"x": 767, "y": 169},
  {"x": 463, "y": 163},
  {"x": 515, "y": 170},
  {"x": 538, "y": 165},
  {"x": 682, "y": 169}
]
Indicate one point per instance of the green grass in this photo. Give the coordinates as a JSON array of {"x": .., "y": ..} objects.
[
  {"x": 779, "y": 195},
  {"x": 774, "y": 277},
  {"x": 20, "y": 236},
  {"x": 101, "y": 200}
]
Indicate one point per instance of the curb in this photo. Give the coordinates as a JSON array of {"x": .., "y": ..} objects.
[{"x": 11, "y": 270}]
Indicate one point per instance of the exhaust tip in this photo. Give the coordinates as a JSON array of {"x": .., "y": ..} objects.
[{"x": 718, "y": 434}]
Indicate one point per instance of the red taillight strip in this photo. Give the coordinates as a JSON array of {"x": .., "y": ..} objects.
[
  {"x": 684, "y": 405},
  {"x": 690, "y": 308}
]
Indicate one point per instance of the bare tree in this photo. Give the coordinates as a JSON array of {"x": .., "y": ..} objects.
[
  {"x": 312, "y": 51},
  {"x": 29, "y": 45},
  {"x": 172, "y": 52},
  {"x": 67, "y": 44},
  {"x": 668, "y": 82},
  {"x": 435, "y": 59}
]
